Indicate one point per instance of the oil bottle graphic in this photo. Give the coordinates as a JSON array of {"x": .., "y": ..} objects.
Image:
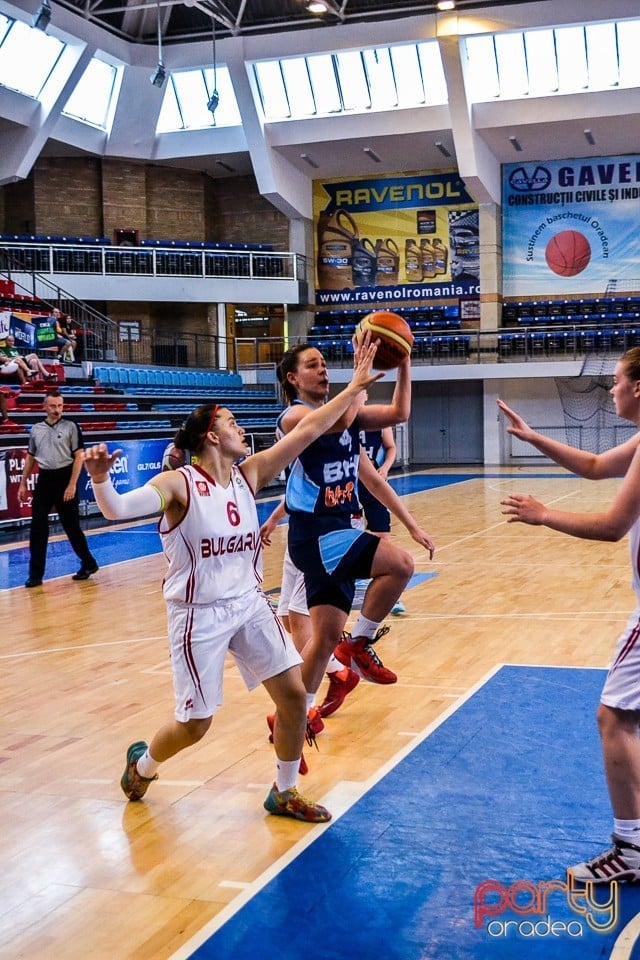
[
  {"x": 412, "y": 260},
  {"x": 387, "y": 262},
  {"x": 427, "y": 260},
  {"x": 441, "y": 256},
  {"x": 363, "y": 263},
  {"x": 337, "y": 235}
]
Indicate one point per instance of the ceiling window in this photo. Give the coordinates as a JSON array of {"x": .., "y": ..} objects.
[
  {"x": 355, "y": 81},
  {"x": 93, "y": 99},
  {"x": 543, "y": 62},
  {"x": 186, "y": 97},
  {"x": 27, "y": 57}
]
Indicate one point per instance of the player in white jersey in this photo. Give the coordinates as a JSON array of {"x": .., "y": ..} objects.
[
  {"x": 619, "y": 708},
  {"x": 210, "y": 535}
]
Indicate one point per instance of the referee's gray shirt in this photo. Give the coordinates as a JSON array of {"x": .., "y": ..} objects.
[{"x": 53, "y": 446}]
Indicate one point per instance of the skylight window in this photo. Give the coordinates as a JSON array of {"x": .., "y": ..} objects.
[
  {"x": 380, "y": 78},
  {"x": 185, "y": 102},
  {"x": 565, "y": 60},
  {"x": 27, "y": 57},
  {"x": 92, "y": 100}
]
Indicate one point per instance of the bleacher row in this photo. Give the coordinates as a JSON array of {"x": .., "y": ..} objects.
[
  {"x": 106, "y": 241},
  {"x": 550, "y": 312},
  {"x": 549, "y": 343},
  {"x": 126, "y": 377},
  {"x": 328, "y": 323}
]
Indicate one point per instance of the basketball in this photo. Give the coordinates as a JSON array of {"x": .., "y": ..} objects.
[
  {"x": 568, "y": 253},
  {"x": 394, "y": 334},
  {"x": 173, "y": 458}
]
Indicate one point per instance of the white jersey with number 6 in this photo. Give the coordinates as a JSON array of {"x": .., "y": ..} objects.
[{"x": 214, "y": 553}]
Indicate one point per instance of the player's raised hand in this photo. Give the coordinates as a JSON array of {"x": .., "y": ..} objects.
[{"x": 98, "y": 461}]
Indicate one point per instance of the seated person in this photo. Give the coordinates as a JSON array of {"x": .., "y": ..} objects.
[
  {"x": 30, "y": 365},
  {"x": 66, "y": 339},
  {"x": 14, "y": 367}
]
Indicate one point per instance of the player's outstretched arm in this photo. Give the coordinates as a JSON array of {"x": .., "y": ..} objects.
[
  {"x": 262, "y": 467},
  {"x": 154, "y": 497},
  {"x": 384, "y": 492},
  {"x": 591, "y": 466}
]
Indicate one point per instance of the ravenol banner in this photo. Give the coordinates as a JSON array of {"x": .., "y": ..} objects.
[
  {"x": 570, "y": 227},
  {"x": 396, "y": 238}
]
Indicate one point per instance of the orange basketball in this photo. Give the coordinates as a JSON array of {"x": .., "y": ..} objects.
[
  {"x": 568, "y": 253},
  {"x": 394, "y": 334}
]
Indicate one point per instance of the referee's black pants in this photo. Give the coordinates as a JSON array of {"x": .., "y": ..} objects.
[{"x": 47, "y": 495}]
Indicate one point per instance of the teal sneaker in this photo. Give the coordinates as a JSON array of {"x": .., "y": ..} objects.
[
  {"x": 134, "y": 785},
  {"x": 290, "y": 803}
]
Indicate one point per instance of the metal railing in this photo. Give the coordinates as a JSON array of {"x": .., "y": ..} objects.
[
  {"x": 97, "y": 334},
  {"x": 107, "y": 260}
]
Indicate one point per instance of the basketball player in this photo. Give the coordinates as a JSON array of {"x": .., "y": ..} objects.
[
  {"x": 210, "y": 536},
  {"x": 321, "y": 496},
  {"x": 380, "y": 448},
  {"x": 619, "y": 709},
  {"x": 292, "y": 604}
]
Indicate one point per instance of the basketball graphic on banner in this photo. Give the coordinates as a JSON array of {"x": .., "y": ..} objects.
[{"x": 568, "y": 253}]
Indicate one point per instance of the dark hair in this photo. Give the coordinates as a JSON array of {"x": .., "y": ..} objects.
[
  {"x": 289, "y": 364},
  {"x": 631, "y": 360},
  {"x": 53, "y": 393},
  {"x": 200, "y": 421}
]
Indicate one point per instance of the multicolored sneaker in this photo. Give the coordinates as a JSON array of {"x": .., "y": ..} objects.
[
  {"x": 290, "y": 803},
  {"x": 619, "y": 862},
  {"x": 133, "y": 784},
  {"x": 360, "y": 656},
  {"x": 341, "y": 683}
]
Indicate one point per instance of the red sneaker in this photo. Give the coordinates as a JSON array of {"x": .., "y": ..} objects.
[
  {"x": 360, "y": 656},
  {"x": 341, "y": 683}
]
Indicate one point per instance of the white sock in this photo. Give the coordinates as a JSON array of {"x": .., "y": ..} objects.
[
  {"x": 286, "y": 774},
  {"x": 146, "y": 765},
  {"x": 364, "y": 628},
  {"x": 311, "y": 701},
  {"x": 627, "y": 829},
  {"x": 334, "y": 665}
]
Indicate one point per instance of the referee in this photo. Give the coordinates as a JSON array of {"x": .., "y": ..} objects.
[{"x": 56, "y": 446}]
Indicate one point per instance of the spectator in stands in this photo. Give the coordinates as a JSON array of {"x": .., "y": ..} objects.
[
  {"x": 210, "y": 533},
  {"x": 4, "y": 405},
  {"x": 56, "y": 446},
  {"x": 30, "y": 364},
  {"x": 14, "y": 367},
  {"x": 65, "y": 339}
]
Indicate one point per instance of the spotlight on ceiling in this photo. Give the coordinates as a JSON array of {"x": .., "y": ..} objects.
[
  {"x": 515, "y": 143},
  {"x": 446, "y": 4},
  {"x": 589, "y": 137},
  {"x": 371, "y": 154},
  {"x": 309, "y": 160},
  {"x": 443, "y": 150},
  {"x": 317, "y": 6},
  {"x": 43, "y": 16},
  {"x": 160, "y": 75}
]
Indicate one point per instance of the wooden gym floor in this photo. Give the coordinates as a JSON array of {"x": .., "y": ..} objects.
[{"x": 85, "y": 672}]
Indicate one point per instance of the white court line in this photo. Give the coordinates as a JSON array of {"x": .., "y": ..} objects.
[
  {"x": 80, "y": 646},
  {"x": 626, "y": 940},
  {"x": 345, "y": 795}
]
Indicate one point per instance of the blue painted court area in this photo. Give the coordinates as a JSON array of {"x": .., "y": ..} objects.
[
  {"x": 110, "y": 546},
  {"x": 508, "y": 789}
]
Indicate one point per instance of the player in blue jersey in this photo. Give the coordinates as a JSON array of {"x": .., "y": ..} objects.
[
  {"x": 321, "y": 496},
  {"x": 380, "y": 448}
]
